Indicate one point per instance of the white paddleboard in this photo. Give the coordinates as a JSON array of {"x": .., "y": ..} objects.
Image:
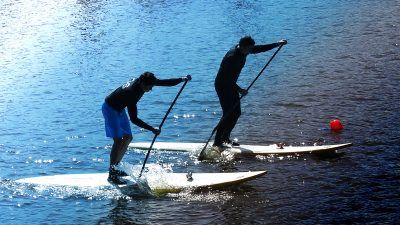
[
  {"x": 242, "y": 149},
  {"x": 162, "y": 183}
]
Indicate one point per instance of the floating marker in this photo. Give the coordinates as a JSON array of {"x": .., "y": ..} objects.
[{"x": 336, "y": 125}]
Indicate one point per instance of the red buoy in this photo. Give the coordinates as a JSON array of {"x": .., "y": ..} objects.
[{"x": 336, "y": 125}]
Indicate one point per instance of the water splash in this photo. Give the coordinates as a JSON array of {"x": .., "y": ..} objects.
[
  {"x": 214, "y": 155},
  {"x": 12, "y": 189},
  {"x": 151, "y": 171}
]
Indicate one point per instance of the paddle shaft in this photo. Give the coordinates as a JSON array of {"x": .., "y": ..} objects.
[
  {"x": 161, "y": 124},
  {"x": 201, "y": 156}
]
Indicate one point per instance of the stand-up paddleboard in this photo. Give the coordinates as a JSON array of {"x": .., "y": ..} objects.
[
  {"x": 162, "y": 183},
  {"x": 242, "y": 149}
]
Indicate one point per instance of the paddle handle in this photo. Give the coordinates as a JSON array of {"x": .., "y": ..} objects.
[
  {"x": 201, "y": 155},
  {"x": 161, "y": 124}
]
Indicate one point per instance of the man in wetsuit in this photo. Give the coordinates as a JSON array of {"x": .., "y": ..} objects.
[
  {"x": 116, "y": 121},
  {"x": 227, "y": 89}
]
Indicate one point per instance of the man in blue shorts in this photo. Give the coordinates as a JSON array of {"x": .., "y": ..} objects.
[{"x": 116, "y": 120}]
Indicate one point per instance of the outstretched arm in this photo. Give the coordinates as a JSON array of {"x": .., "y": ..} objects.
[
  {"x": 172, "y": 82},
  {"x": 264, "y": 48}
]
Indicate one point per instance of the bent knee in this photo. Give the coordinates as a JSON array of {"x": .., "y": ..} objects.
[
  {"x": 237, "y": 113},
  {"x": 127, "y": 138}
]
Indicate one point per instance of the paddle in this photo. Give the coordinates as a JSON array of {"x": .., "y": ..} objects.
[
  {"x": 202, "y": 155},
  {"x": 162, "y": 123}
]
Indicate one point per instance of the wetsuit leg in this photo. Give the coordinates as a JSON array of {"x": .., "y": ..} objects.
[
  {"x": 227, "y": 100},
  {"x": 232, "y": 120}
]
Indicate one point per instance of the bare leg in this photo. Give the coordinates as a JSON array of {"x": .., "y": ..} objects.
[
  {"x": 115, "y": 151},
  {"x": 126, "y": 139}
]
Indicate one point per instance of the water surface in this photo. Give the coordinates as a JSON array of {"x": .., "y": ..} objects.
[{"x": 59, "y": 59}]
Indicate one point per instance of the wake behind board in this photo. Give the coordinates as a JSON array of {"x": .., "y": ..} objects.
[
  {"x": 242, "y": 149},
  {"x": 163, "y": 183}
]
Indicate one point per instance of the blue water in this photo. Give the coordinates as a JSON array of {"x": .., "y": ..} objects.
[{"x": 59, "y": 59}]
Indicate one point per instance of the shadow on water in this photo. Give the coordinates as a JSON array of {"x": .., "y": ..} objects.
[
  {"x": 122, "y": 213},
  {"x": 328, "y": 155},
  {"x": 149, "y": 210},
  {"x": 323, "y": 155}
]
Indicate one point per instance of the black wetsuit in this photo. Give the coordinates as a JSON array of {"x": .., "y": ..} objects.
[
  {"x": 228, "y": 90},
  {"x": 129, "y": 94}
]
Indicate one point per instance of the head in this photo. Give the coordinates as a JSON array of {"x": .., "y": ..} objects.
[
  {"x": 246, "y": 44},
  {"x": 147, "y": 81}
]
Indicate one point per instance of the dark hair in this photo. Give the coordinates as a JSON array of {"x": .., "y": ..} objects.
[
  {"x": 148, "y": 78},
  {"x": 246, "y": 41}
]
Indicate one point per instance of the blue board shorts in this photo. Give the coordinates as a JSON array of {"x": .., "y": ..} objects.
[{"x": 116, "y": 123}]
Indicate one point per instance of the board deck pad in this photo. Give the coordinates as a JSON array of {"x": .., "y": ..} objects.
[
  {"x": 242, "y": 149},
  {"x": 162, "y": 183}
]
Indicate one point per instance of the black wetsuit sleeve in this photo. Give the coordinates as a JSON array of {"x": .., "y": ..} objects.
[
  {"x": 132, "y": 110},
  {"x": 168, "y": 82},
  {"x": 263, "y": 48}
]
